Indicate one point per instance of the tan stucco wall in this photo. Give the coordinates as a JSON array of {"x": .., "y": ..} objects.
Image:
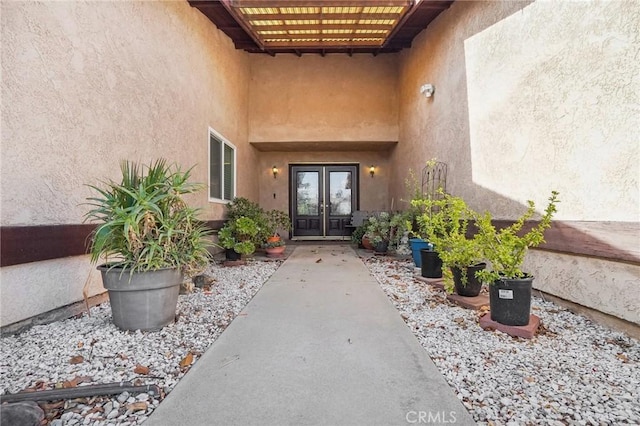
[
  {"x": 530, "y": 98},
  {"x": 374, "y": 194},
  {"x": 86, "y": 84},
  {"x": 331, "y": 98},
  {"x": 610, "y": 287}
]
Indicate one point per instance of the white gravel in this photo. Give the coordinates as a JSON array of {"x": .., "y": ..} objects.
[
  {"x": 40, "y": 357},
  {"x": 574, "y": 372}
]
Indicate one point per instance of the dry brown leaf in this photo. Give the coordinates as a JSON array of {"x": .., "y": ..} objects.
[
  {"x": 623, "y": 358},
  {"x": 80, "y": 344},
  {"x": 137, "y": 406},
  {"x": 141, "y": 369},
  {"x": 319, "y": 260},
  {"x": 76, "y": 359},
  {"x": 529, "y": 379},
  {"x": 187, "y": 360},
  {"x": 123, "y": 357}
]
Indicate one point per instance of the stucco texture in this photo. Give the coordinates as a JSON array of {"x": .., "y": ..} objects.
[
  {"x": 609, "y": 287},
  {"x": 331, "y": 98},
  {"x": 529, "y": 98},
  {"x": 87, "y": 84}
]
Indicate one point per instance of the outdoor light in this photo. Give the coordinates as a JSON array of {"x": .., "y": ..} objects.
[
  {"x": 427, "y": 90},
  {"x": 372, "y": 170},
  {"x": 274, "y": 170}
]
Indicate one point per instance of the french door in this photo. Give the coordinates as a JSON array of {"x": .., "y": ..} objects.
[{"x": 322, "y": 200}]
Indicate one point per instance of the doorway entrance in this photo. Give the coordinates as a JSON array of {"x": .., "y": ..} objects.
[{"x": 323, "y": 196}]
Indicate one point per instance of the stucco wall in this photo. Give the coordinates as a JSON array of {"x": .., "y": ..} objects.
[
  {"x": 86, "y": 84},
  {"x": 374, "y": 195},
  {"x": 530, "y": 98},
  {"x": 331, "y": 98},
  {"x": 610, "y": 287}
]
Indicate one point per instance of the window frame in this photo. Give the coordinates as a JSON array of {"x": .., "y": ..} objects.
[{"x": 213, "y": 134}]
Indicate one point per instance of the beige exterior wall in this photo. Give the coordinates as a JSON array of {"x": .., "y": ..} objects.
[
  {"x": 374, "y": 194},
  {"x": 530, "y": 98},
  {"x": 331, "y": 98},
  {"x": 86, "y": 84}
]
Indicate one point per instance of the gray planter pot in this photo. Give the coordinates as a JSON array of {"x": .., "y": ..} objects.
[{"x": 142, "y": 300}]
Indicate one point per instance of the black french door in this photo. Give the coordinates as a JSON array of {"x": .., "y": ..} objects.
[{"x": 322, "y": 200}]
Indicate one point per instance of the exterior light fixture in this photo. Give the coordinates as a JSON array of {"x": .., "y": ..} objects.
[
  {"x": 372, "y": 170},
  {"x": 274, "y": 170},
  {"x": 427, "y": 90}
]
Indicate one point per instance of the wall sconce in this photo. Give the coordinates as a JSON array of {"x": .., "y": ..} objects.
[
  {"x": 274, "y": 170},
  {"x": 427, "y": 90},
  {"x": 372, "y": 170}
]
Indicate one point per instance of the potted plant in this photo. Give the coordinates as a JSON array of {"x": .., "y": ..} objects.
[
  {"x": 432, "y": 222},
  {"x": 149, "y": 238},
  {"x": 237, "y": 237},
  {"x": 275, "y": 248},
  {"x": 379, "y": 231},
  {"x": 276, "y": 220},
  {"x": 242, "y": 207},
  {"x": 462, "y": 255},
  {"x": 357, "y": 234},
  {"x": 505, "y": 249}
]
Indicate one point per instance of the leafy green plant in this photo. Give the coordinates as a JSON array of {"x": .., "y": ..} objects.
[
  {"x": 273, "y": 244},
  {"x": 445, "y": 224},
  {"x": 238, "y": 234},
  {"x": 277, "y": 220},
  {"x": 358, "y": 233},
  {"x": 144, "y": 223},
  {"x": 379, "y": 228},
  {"x": 242, "y": 207},
  {"x": 504, "y": 248}
]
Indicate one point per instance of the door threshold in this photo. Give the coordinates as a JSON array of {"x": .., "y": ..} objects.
[{"x": 329, "y": 238}]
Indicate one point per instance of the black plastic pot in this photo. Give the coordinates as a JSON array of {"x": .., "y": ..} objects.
[
  {"x": 381, "y": 247},
  {"x": 231, "y": 254},
  {"x": 473, "y": 286},
  {"x": 431, "y": 264},
  {"x": 510, "y": 300}
]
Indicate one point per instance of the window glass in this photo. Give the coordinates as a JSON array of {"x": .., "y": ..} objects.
[{"x": 222, "y": 168}]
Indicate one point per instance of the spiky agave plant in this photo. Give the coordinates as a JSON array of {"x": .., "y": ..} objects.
[{"x": 144, "y": 223}]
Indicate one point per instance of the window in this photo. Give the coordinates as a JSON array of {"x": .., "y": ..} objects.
[{"x": 222, "y": 168}]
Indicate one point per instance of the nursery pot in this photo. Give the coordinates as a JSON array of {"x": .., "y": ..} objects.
[
  {"x": 473, "y": 286},
  {"x": 381, "y": 247},
  {"x": 417, "y": 244},
  {"x": 510, "y": 300},
  {"x": 431, "y": 264},
  {"x": 142, "y": 300},
  {"x": 231, "y": 254}
]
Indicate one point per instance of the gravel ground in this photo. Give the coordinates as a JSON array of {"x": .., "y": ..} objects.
[
  {"x": 91, "y": 350},
  {"x": 574, "y": 372}
]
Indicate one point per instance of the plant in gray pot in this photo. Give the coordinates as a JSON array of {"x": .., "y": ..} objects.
[
  {"x": 510, "y": 287},
  {"x": 149, "y": 238}
]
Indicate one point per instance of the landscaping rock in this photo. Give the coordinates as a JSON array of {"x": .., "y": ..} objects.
[{"x": 21, "y": 414}]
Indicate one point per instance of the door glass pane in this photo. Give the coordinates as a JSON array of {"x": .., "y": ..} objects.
[
  {"x": 307, "y": 193},
  {"x": 340, "y": 193}
]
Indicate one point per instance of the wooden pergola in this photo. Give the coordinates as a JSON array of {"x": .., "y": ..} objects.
[{"x": 321, "y": 26}]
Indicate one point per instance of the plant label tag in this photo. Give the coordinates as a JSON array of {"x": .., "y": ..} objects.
[{"x": 505, "y": 294}]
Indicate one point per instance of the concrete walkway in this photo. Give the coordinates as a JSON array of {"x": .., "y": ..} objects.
[{"x": 319, "y": 344}]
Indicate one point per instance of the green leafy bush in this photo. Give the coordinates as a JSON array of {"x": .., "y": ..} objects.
[
  {"x": 504, "y": 248},
  {"x": 144, "y": 224},
  {"x": 238, "y": 234}
]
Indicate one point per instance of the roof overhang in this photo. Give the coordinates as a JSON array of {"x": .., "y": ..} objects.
[{"x": 321, "y": 26}]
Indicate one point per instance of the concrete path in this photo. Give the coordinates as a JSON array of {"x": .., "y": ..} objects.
[{"x": 320, "y": 344}]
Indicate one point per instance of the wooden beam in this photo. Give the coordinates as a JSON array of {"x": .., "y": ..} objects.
[
  {"x": 319, "y": 3},
  {"x": 313, "y": 16},
  {"x": 320, "y": 27}
]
